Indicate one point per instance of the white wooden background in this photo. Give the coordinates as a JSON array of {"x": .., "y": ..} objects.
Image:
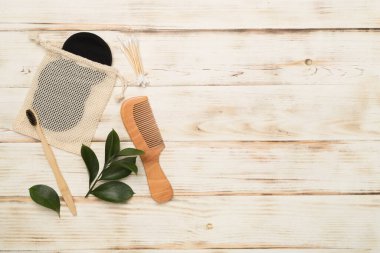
[{"x": 270, "y": 111}]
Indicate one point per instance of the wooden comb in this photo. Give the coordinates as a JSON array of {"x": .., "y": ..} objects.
[{"x": 141, "y": 126}]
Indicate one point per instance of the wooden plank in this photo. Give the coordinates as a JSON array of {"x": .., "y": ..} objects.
[
  {"x": 267, "y": 250},
  {"x": 197, "y": 14},
  {"x": 230, "y": 58},
  {"x": 250, "y": 113},
  {"x": 261, "y": 222},
  {"x": 227, "y": 168}
]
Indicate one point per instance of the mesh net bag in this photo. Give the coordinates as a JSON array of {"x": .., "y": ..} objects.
[{"x": 69, "y": 94}]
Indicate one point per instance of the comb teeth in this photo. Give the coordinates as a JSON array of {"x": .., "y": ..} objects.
[{"x": 144, "y": 118}]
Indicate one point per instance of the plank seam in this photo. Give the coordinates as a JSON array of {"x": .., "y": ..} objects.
[{"x": 120, "y": 28}]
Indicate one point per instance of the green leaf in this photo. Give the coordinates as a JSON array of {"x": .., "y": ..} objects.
[
  {"x": 127, "y": 160},
  {"x": 133, "y": 167},
  {"x": 91, "y": 162},
  {"x": 113, "y": 191},
  {"x": 112, "y": 146},
  {"x": 45, "y": 196},
  {"x": 120, "y": 169},
  {"x": 128, "y": 163},
  {"x": 115, "y": 173},
  {"x": 130, "y": 152}
]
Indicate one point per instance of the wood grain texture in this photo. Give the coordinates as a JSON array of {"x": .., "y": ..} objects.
[
  {"x": 317, "y": 112},
  {"x": 217, "y": 168},
  {"x": 222, "y": 59},
  {"x": 285, "y": 222},
  {"x": 197, "y": 14},
  {"x": 209, "y": 251},
  {"x": 269, "y": 111}
]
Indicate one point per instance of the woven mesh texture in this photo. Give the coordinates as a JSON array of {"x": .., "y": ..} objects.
[{"x": 69, "y": 94}]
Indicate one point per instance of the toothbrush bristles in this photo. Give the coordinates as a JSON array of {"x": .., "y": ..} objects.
[{"x": 31, "y": 117}]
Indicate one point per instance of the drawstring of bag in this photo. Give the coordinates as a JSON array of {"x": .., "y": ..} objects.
[
  {"x": 124, "y": 85},
  {"x": 34, "y": 37},
  {"x": 142, "y": 81}
]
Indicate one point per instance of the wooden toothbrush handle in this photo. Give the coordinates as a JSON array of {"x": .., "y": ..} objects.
[
  {"x": 159, "y": 186},
  {"x": 61, "y": 182}
]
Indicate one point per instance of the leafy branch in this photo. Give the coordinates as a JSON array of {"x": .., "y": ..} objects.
[{"x": 118, "y": 164}]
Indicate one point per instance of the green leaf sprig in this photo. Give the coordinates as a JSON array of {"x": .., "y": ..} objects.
[{"x": 118, "y": 164}]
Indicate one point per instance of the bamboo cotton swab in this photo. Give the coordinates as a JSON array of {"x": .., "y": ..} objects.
[{"x": 131, "y": 49}]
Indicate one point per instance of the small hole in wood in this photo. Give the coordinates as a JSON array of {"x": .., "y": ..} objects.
[
  {"x": 209, "y": 226},
  {"x": 308, "y": 62}
]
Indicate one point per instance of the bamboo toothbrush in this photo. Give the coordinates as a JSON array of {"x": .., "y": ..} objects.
[
  {"x": 62, "y": 185},
  {"x": 141, "y": 126}
]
